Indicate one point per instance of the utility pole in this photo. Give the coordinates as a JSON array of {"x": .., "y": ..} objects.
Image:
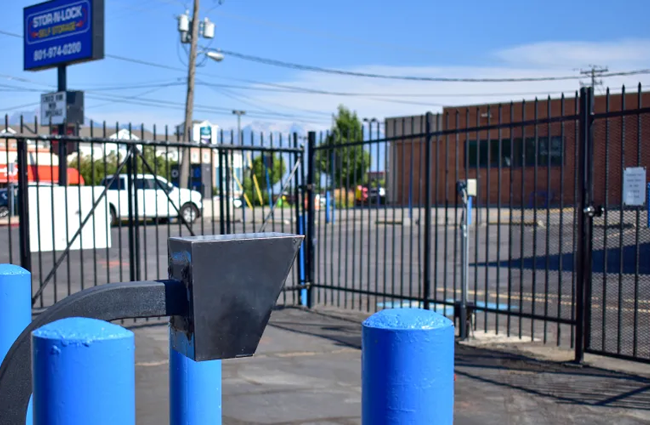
[
  {"x": 189, "y": 100},
  {"x": 593, "y": 72},
  {"x": 239, "y": 114}
]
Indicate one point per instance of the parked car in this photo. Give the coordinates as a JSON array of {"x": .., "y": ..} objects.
[
  {"x": 158, "y": 200},
  {"x": 4, "y": 203}
]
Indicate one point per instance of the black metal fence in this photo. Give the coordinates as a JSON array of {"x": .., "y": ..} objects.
[
  {"x": 382, "y": 214},
  {"x": 123, "y": 194}
]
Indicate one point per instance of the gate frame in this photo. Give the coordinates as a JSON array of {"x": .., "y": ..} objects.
[{"x": 585, "y": 209}]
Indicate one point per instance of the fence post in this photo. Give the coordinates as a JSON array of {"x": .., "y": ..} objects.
[
  {"x": 15, "y": 309},
  {"x": 427, "y": 213},
  {"x": 83, "y": 372},
  {"x": 585, "y": 223},
  {"x": 407, "y": 368},
  {"x": 23, "y": 206},
  {"x": 311, "y": 215},
  {"x": 194, "y": 390}
]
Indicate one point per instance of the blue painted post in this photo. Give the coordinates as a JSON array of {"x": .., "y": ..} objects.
[
  {"x": 194, "y": 390},
  {"x": 269, "y": 189},
  {"x": 15, "y": 309},
  {"x": 469, "y": 210},
  {"x": 328, "y": 201},
  {"x": 84, "y": 373},
  {"x": 301, "y": 258},
  {"x": 407, "y": 368}
]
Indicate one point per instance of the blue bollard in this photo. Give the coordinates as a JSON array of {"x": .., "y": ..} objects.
[
  {"x": 407, "y": 368},
  {"x": 15, "y": 309},
  {"x": 194, "y": 390},
  {"x": 83, "y": 373},
  {"x": 15, "y": 304}
]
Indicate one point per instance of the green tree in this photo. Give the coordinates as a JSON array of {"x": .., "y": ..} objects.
[
  {"x": 102, "y": 167},
  {"x": 349, "y": 162},
  {"x": 276, "y": 167}
]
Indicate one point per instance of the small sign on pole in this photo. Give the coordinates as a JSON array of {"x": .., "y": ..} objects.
[
  {"x": 634, "y": 186},
  {"x": 53, "y": 108}
]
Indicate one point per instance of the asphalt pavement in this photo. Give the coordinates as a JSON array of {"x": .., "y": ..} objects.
[
  {"x": 371, "y": 258},
  {"x": 307, "y": 371}
]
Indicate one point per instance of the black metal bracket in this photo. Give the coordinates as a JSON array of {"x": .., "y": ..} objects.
[{"x": 108, "y": 302}]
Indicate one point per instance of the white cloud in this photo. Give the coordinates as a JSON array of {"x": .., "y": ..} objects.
[
  {"x": 314, "y": 110},
  {"x": 623, "y": 54},
  {"x": 534, "y": 60}
]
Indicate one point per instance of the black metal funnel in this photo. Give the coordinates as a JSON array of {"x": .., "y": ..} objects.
[{"x": 232, "y": 283}]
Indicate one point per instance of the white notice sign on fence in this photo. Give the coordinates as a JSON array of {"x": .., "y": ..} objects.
[{"x": 634, "y": 186}]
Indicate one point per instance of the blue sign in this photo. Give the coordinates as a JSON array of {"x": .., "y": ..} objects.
[
  {"x": 206, "y": 134},
  {"x": 63, "y": 32}
]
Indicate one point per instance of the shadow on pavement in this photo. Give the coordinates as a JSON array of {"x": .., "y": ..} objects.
[
  {"x": 566, "y": 384},
  {"x": 566, "y": 261}
]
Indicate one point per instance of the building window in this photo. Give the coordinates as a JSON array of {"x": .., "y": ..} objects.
[
  {"x": 489, "y": 151},
  {"x": 556, "y": 148},
  {"x": 512, "y": 152}
]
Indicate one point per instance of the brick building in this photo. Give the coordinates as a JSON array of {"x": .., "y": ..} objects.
[{"x": 504, "y": 157}]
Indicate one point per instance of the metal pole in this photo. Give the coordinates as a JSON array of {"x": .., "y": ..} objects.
[
  {"x": 427, "y": 213},
  {"x": 407, "y": 368},
  {"x": 300, "y": 205},
  {"x": 84, "y": 372},
  {"x": 585, "y": 222},
  {"x": 239, "y": 113},
  {"x": 183, "y": 178},
  {"x": 311, "y": 216},
  {"x": 23, "y": 206},
  {"x": 62, "y": 86},
  {"x": 130, "y": 190},
  {"x": 464, "y": 274},
  {"x": 194, "y": 390}
]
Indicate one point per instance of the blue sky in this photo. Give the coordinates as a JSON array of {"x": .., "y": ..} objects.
[{"x": 510, "y": 38}]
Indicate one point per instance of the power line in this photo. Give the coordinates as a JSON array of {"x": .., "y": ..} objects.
[
  {"x": 11, "y": 34},
  {"x": 325, "y": 92},
  {"x": 359, "y": 74},
  {"x": 302, "y": 67},
  {"x": 240, "y": 96},
  {"x": 167, "y": 102}
]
